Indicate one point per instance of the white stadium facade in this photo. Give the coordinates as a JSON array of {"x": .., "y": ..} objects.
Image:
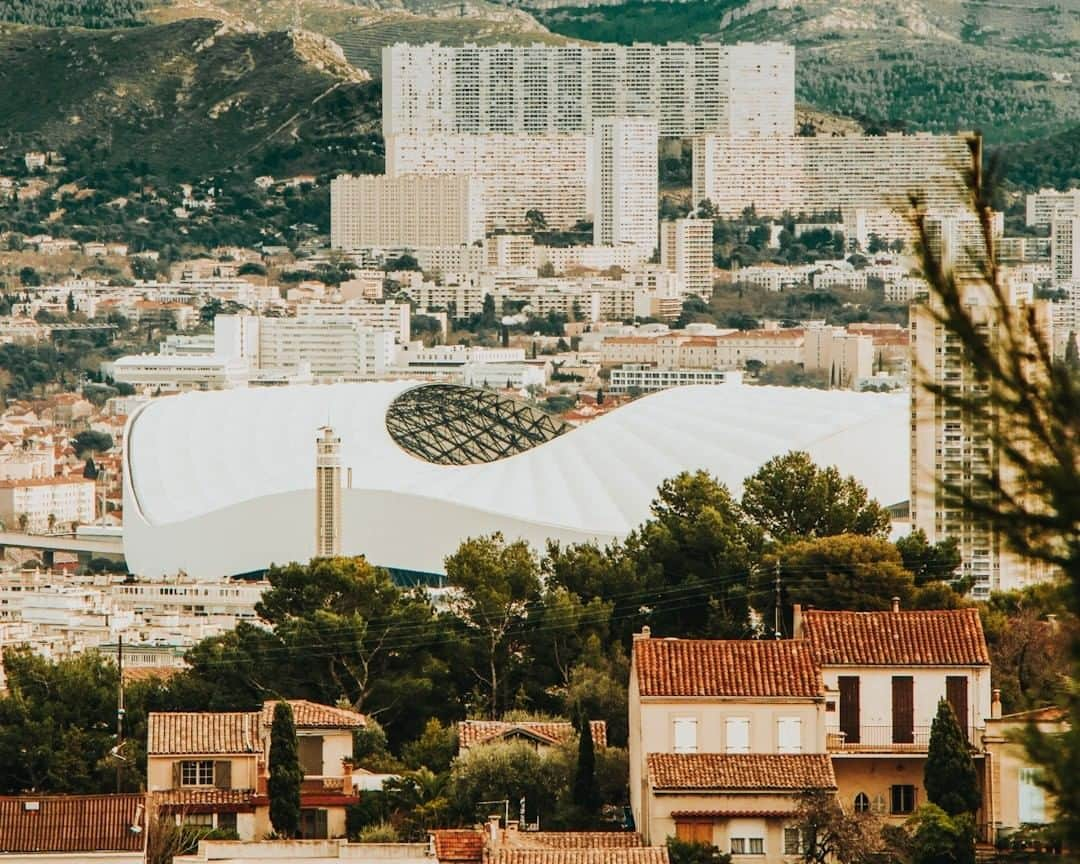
[{"x": 222, "y": 483}]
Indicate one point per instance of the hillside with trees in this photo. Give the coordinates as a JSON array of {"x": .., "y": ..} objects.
[
  {"x": 95, "y": 14},
  {"x": 186, "y": 99}
]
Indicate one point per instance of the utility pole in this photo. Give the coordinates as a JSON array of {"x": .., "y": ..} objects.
[
  {"x": 778, "y": 620},
  {"x": 119, "y": 706}
]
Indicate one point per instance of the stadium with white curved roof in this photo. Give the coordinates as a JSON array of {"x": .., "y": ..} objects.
[{"x": 222, "y": 483}]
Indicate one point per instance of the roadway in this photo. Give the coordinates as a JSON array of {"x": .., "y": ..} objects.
[{"x": 92, "y": 546}]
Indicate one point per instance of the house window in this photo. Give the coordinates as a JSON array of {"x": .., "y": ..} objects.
[
  {"x": 862, "y": 803},
  {"x": 757, "y": 845},
  {"x": 226, "y": 822},
  {"x": 738, "y": 845},
  {"x": 903, "y": 799},
  {"x": 793, "y": 844},
  {"x": 789, "y": 735},
  {"x": 197, "y": 772},
  {"x": 1032, "y": 799},
  {"x": 694, "y": 830},
  {"x": 310, "y": 752},
  {"x": 685, "y": 735},
  {"x": 738, "y": 735},
  {"x": 199, "y": 820}
]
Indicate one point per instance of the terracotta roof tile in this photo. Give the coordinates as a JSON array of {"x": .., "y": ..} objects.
[
  {"x": 312, "y": 715},
  {"x": 947, "y": 637},
  {"x": 741, "y": 771},
  {"x": 713, "y": 667},
  {"x": 71, "y": 823},
  {"x": 203, "y": 732},
  {"x": 473, "y": 732},
  {"x": 459, "y": 844},
  {"x": 539, "y": 855}
]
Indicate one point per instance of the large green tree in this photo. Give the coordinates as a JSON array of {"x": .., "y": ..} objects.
[
  {"x": 286, "y": 775},
  {"x": 693, "y": 558},
  {"x": 949, "y": 776},
  {"x": 495, "y": 582},
  {"x": 791, "y": 497},
  {"x": 586, "y": 795}
]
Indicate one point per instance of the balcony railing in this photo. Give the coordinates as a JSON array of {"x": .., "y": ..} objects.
[{"x": 880, "y": 739}]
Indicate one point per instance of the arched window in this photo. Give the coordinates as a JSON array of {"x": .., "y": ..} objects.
[{"x": 862, "y": 803}]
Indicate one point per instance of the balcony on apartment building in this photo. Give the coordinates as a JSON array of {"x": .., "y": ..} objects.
[{"x": 883, "y": 739}]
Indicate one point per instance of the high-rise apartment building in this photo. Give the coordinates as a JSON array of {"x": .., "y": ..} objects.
[
  {"x": 547, "y": 173},
  {"x": 406, "y": 210},
  {"x": 829, "y": 174},
  {"x": 745, "y": 89},
  {"x": 686, "y": 248},
  {"x": 327, "y": 494},
  {"x": 1065, "y": 251},
  {"x": 953, "y": 453},
  {"x": 625, "y": 182},
  {"x": 956, "y": 239},
  {"x": 1046, "y": 205}
]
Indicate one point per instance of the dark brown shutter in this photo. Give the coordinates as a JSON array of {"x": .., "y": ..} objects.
[
  {"x": 956, "y": 692},
  {"x": 903, "y": 709},
  {"x": 849, "y": 708},
  {"x": 223, "y": 774},
  {"x": 177, "y": 774}
]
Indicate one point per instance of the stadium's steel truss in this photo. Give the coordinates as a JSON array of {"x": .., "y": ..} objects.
[{"x": 451, "y": 425}]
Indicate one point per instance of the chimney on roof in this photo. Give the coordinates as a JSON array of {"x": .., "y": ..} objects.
[
  {"x": 995, "y": 704},
  {"x": 796, "y": 621},
  {"x": 895, "y": 604},
  {"x": 645, "y": 633}
]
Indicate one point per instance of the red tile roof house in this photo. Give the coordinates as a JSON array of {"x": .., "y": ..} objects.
[
  {"x": 541, "y": 734},
  {"x": 211, "y": 768},
  {"x": 495, "y": 844},
  {"x": 724, "y": 735},
  {"x": 105, "y": 829}
]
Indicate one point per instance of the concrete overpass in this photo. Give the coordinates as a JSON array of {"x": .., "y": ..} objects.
[{"x": 49, "y": 544}]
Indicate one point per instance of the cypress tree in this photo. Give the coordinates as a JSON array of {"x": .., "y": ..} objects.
[
  {"x": 949, "y": 776},
  {"x": 586, "y": 795},
  {"x": 285, "y": 773}
]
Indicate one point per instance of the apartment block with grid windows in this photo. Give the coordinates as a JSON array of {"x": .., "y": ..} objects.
[{"x": 742, "y": 89}]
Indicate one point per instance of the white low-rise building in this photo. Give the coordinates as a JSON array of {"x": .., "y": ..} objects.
[
  {"x": 179, "y": 373},
  {"x": 649, "y": 379},
  {"x": 46, "y": 503}
]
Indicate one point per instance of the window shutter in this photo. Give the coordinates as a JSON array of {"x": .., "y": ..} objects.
[
  {"x": 850, "y": 723},
  {"x": 738, "y": 735},
  {"x": 789, "y": 735},
  {"x": 956, "y": 693},
  {"x": 177, "y": 774},
  {"x": 903, "y": 709},
  {"x": 685, "y": 735},
  {"x": 223, "y": 774}
]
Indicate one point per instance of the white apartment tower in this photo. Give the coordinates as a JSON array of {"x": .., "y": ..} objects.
[
  {"x": 829, "y": 174},
  {"x": 745, "y": 89},
  {"x": 327, "y": 494},
  {"x": 407, "y": 210},
  {"x": 1046, "y": 205},
  {"x": 956, "y": 239},
  {"x": 1065, "y": 251},
  {"x": 951, "y": 451},
  {"x": 546, "y": 172},
  {"x": 686, "y": 248},
  {"x": 625, "y": 182}
]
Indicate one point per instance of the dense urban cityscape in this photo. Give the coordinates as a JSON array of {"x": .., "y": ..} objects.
[{"x": 566, "y": 432}]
